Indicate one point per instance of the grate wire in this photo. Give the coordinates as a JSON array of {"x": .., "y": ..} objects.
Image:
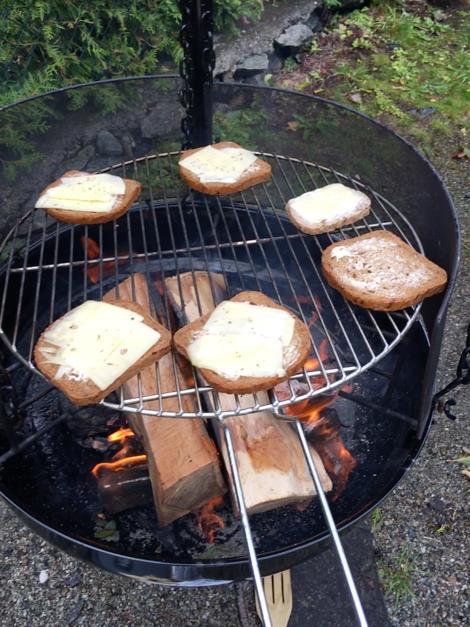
[{"x": 245, "y": 237}]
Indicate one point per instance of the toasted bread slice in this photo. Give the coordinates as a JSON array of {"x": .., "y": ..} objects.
[
  {"x": 124, "y": 202},
  {"x": 380, "y": 271},
  {"x": 296, "y": 354},
  {"x": 327, "y": 208},
  {"x": 259, "y": 172},
  {"x": 85, "y": 392}
]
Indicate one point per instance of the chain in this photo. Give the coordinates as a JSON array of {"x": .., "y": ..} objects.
[
  {"x": 196, "y": 70},
  {"x": 462, "y": 378}
]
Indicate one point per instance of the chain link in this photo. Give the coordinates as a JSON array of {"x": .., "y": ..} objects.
[
  {"x": 196, "y": 70},
  {"x": 462, "y": 378}
]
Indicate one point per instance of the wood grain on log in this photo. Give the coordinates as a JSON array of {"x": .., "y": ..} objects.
[
  {"x": 183, "y": 461},
  {"x": 272, "y": 466}
]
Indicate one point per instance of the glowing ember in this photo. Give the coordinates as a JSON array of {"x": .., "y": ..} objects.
[
  {"x": 208, "y": 521},
  {"x": 120, "y": 435},
  {"x": 311, "y": 364},
  {"x": 323, "y": 427},
  {"x": 321, "y": 422},
  {"x": 338, "y": 461},
  {"x": 90, "y": 246},
  {"x": 119, "y": 464}
]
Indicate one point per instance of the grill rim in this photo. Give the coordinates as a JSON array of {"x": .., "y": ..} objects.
[{"x": 438, "y": 318}]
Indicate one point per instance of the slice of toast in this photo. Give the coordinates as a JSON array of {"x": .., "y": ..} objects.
[
  {"x": 327, "y": 208},
  {"x": 296, "y": 353},
  {"x": 124, "y": 202},
  {"x": 380, "y": 271},
  {"x": 85, "y": 392},
  {"x": 259, "y": 172}
]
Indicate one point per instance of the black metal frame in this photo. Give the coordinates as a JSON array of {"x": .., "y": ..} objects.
[
  {"x": 196, "y": 71},
  {"x": 435, "y": 323}
]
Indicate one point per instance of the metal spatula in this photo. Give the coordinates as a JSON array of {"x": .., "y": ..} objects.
[{"x": 278, "y": 591}]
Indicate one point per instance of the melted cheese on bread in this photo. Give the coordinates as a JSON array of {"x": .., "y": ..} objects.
[
  {"x": 97, "y": 193},
  {"x": 328, "y": 205},
  {"x": 225, "y": 165},
  {"x": 97, "y": 341},
  {"x": 241, "y": 339}
]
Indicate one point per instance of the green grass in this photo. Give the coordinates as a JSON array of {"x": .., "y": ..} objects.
[
  {"x": 376, "y": 519},
  {"x": 396, "y": 576},
  {"x": 398, "y": 59}
]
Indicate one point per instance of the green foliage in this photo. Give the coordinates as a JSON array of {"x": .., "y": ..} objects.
[
  {"x": 290, "y": 64},
  {"x": 49, "y": 43},
  {"x": 412, "y": 62},
  {"x": 240, "y": 126},
  {"x": 227, "y": 12},
  {"x": 377, "y": 519},
  {"x": 16, "y": 127},
  {"x": 332, "y": 4},
  {"x": 394, "y": 60},
  {"x": 396, "y": 576}
]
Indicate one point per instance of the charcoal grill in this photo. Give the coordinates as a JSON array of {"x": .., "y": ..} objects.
[{"x": 391, "y": 358}]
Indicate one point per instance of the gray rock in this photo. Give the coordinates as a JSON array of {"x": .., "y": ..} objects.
[
  {"x": 252, "y": 65},
  {"x": 221, "y": 107},
  {"x": 80, "y": 160},
  {"x": 294, "y": 37},
  {"x": 162, "y": 119},
  {"x": 314, "y": 21},
  {"x": 257, "y": 38},
  {"x": 424, "y": 113},
  {"x": 128, "y": 145},
  {"x": 258, "y": 79},
  {"x": 107, "y": 144},
  {"x": 275, "y": 63}
]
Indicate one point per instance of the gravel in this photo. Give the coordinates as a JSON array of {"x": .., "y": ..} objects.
[{"x": 425, "y": 521}]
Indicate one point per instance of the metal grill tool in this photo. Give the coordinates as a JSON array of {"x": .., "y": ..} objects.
[{"x": 245, "y": 237}]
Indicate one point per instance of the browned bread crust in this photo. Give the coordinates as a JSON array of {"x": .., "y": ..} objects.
[
  {"x": 259, "y": 173},
  {"x": 392, "y": 278},
  {"x": 329, "y": 225},
  {"x": 86, "y": 392},
  {"x": 89, "y": 217},
  {"x": 299, "y": 348}
]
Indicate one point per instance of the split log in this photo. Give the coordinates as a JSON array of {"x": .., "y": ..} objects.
[
  {"x": 124, "y": 488},
  {"x": 183, "y": 461},
  {"x": 271, "y": 463}
]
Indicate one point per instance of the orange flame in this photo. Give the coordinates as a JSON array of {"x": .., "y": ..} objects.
[
  {"x": 120, "y": 435},
  {"x": 309, "y": 410},
  {"x": 93, "y": 252},
  {"x": 324, "y": 432},
  {"x": 117, "y": 465},
  {"x": 208, "y": 521},
  {"x": 338, "y": 462}
]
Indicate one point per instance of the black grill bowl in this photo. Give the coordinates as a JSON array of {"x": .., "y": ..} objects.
[{"x": 49, "y": 484}]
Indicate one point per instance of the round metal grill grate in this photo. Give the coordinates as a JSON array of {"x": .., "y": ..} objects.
[{"x": 245, "y": 239}]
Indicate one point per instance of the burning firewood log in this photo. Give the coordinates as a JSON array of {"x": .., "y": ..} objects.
[
  {"x": 182, "y": 460},
  {"x": 123, "y": 484},
  {"x": 272, "y": 467}
]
